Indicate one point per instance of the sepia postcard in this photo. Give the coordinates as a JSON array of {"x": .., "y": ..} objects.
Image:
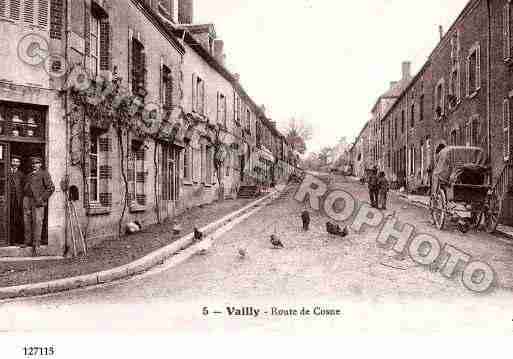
[{"x": 297, "y": 168}]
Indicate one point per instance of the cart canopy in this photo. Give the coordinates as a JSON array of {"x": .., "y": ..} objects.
[{"x": 454, "y": 161}]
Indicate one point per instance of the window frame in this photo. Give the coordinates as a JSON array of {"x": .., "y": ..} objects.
[
  {"x": 134, "y": 166},
  {"x": 506, "y": 129},
  {"x": 507, "y": 33},
  {"x": 95, "y": 23},
  {"x": 440, "y": 96},
  {"x": 476, "y": 49},
  {"x": 166, "y": 78},
  {"x": 94, "y": 138}
]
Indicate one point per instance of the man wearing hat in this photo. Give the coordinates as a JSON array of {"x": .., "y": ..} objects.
[
  {"x": 16, "y": 182},
  {"x": 37, "y": 190}
]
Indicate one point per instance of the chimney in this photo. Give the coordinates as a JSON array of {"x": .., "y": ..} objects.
[
  {"x": 406, "y": 66},
  {"x": 441, "y": 31},
  {"x": 237, "y": 77},
  {"x": 185, "y": 11},
  {"x": 262, "y": 108},
  {"x": 392, "y": 84},
  {"x": 219, "y": 50}
]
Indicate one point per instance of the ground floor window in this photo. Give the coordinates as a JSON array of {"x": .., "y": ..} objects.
[
  {"x": 170, "y": 173},
  {"x": 137, "y": 173}
]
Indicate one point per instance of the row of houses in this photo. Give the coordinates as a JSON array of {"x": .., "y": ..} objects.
[
  {"x": 212, "y": 138},
  {"x": 462, "y": 95}
]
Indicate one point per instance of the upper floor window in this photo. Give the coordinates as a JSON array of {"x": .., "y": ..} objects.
[
  {"x": 402, "y": 121},
  {"x": 421, "y": 109},
  {"x": 167, "y": 87},
  {"x": 32, "y": 12},
  {"x": 440, "y": 99},
  {"x": 474, "y": 70},
  {"x": 454, "y": 88},
  {"x": 198, "y": 94},
  {"x": 506, "y": 25},
  {"x": 221, "y": 109},
  {"x": 138, "y": 66},
  {"x": 412, "y": 116},
  {"x": 94, "y": 36},
  {"x": 248, "y": 120},
  {"x": 454, "y": 137},
  {"x": 236, "y": 108},
  {"x": 455, "y": 48}
]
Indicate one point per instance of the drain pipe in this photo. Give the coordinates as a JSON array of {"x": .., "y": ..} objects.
[
  {"x": 488, "y": 86},
  {"x": 67, "y": 158}
]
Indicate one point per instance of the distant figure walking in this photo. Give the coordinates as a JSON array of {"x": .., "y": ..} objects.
[
  {"x": 383, "y": 190},
  {"x": 373, "y": 187},
  {"x": 305, "y": 217}
]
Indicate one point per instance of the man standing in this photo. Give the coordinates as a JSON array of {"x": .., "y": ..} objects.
[
  {"x": 37, "y": 190},
  {"x": 373, "y": 187},
  {"x": 16, "y": 182}
]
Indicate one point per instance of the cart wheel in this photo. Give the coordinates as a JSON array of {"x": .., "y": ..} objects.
[
  {"x": 439, "y": 208},
  {"x": 493, "y": 212}
]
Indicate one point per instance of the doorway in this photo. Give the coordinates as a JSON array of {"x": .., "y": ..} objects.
[
  {"x": 242, "y": 167},
  {"x": 11, "y": 216}
]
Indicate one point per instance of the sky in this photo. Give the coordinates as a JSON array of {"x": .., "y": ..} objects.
[{"x": 325, "y": 61}]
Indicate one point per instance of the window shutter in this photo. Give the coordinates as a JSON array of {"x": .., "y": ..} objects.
[
  {"x": 161, "y": 82},
  {"x": 204, "y": 94},
  {"x": 169, "y": 90},
  {"x": 130, "y": 57},
  {"x": 87, "y": 30},
  {"x": 194, "y": 94},
  {"x": 15, "y": 9},
  {"x": 3, "y": 8},
  {"x": 105, "y": 144},
  {"x": 56, "y": 19},
  {"x": 28, "y": 11},
  {"x": 507, "y": 31},
  {"x": 234, "y": 106},
  {"x": 468, "y": 76},
  {"x": 104, "y": 45},
  {"x": 506, "y": 119},
  {"x": 218, "y": 117},
  {"x": 42, "y": 13},
  {"x": 458, "y": 85},
  {"x": 478, "y": 68},
  {"x": 105, "y": 172},
  {"x": 225, "y": 113},
  {"x": 143, "y": 72},
  {"x": 453, "y": 54},
  {"x": 105, "y": 180}
]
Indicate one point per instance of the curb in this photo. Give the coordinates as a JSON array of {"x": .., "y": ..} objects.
[{"x": 136, "y": 267}]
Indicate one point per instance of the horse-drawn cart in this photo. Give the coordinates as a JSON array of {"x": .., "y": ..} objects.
[{"x": 460, "y": 190}]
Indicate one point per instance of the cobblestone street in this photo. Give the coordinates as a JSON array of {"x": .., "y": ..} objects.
[{"x": 365, "y": 281}]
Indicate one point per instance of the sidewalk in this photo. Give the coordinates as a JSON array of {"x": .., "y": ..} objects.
[
  {"x": 120, "y": 258},
  {"x": 423, "y": 201}
]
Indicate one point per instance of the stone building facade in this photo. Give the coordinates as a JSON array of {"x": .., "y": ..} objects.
[{"x": 162, "y": 162}]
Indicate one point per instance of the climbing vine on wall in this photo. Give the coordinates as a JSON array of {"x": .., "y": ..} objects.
[{"x": 105, "y": 104}]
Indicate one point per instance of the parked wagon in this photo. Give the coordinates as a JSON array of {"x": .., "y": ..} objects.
[{"x": 461, "y": 192}]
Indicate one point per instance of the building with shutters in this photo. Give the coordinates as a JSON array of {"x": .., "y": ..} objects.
[
  {"x": 460, "y": 96},
  {"x": 174, "y": 67}
]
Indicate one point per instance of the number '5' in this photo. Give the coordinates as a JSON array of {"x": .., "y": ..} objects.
[{"x": 205, "y": 310}]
